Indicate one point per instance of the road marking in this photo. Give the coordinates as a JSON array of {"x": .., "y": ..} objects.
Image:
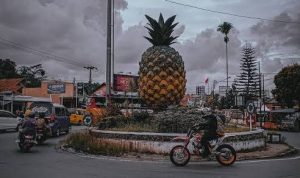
[{"x": 269, "y": 160}]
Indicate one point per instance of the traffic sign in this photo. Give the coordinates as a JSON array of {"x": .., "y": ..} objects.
[{"x": 250, "y": 107}]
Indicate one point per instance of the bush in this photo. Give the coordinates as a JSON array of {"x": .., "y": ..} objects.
[
  {"x": 140, "y": 116},
  {"x": 112, "y": 121}
]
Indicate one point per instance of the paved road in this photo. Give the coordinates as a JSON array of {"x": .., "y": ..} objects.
[
  {"x": 44, "y": 161},
  {"x": 293, "y": 138}
]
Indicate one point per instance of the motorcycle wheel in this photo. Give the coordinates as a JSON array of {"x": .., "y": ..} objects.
[
  {"x": 40, "y": 141},
  {"x": 180, "y": 155},
  {"x": 24, "y": 147},
  {"x": 226, "y": 155}
]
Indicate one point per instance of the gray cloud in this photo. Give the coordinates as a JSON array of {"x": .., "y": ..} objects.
[
  {"x": 74, "y": 32},
  {"x": 281, "y": 40}
]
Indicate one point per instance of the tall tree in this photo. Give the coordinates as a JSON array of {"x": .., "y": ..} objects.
[
  {"x": 33, "y": 75},
  {"x": 225, "y": 28},
  {"x": 287, "y": 83},
  {"x": 247, "y": 83},
  {"x": 8, "y": 69}
]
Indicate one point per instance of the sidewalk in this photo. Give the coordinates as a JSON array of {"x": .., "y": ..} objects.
[{"x": 271, "y": 151}]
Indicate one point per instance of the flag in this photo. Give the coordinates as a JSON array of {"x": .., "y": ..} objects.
[{"x": 206, "y": 81}]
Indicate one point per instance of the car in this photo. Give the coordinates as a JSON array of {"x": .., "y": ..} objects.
[
  {"x": 8, "y": 121},
  {"x": 57, "y": 115},
  {"x": 77, "y": 116}
]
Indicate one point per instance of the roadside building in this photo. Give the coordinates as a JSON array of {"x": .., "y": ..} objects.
[{"x": 59, "y": 92}]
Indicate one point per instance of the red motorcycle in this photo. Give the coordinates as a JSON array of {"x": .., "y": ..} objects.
[{"x": 180, "y": 154}]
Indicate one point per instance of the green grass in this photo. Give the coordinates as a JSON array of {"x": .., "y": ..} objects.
[
  {"x": 89, "y": 144},
  {"x": 135, "y": 127},
  {"x": 142, "y": 127}
]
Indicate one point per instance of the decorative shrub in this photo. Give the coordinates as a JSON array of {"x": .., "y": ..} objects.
[
  {"x": 112, "y": 121},
  {"x": 140, "y": 116}
]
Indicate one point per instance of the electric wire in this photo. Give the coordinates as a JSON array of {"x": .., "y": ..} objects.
[
  {"x": 231, "y": 14},
  {"x": 42, "y": 53}
]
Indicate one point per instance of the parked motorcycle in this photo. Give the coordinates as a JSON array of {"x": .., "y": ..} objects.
[
  {"x": 180, "y": 154},
  {"x": 25, "y": 141}
]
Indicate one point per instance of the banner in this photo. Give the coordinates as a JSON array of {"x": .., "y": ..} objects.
[{"x": 125, "y": 83}]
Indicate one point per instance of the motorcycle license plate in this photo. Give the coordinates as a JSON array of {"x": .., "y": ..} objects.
[{"x": 28, "y": 141}]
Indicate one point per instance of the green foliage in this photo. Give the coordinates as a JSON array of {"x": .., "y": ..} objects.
[
  {"x": 33, "y": 75},
  {"x": 90, "y": 88},
  {"x": 139, "y": 121},
  {"x": 248, "y": 81},
  {"x": 225, "y": 28},
  {"x": 112, "y": 121},
  {"x": 8, "y": 69},
  {"x": 140, "y": 116},
  {"x": 287, "y": 83},
  {"x": 161, "y": 31},
  {"x": 113, "y": 110}
]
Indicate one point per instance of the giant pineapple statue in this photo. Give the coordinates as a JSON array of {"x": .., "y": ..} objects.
[{"x": 161, "y": 73}]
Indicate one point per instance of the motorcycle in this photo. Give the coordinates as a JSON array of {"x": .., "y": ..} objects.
[
  {"x": 40, "y": 135},
  {"x": 25, "y": 141},
  {"x": 180, "y": 154},
  {"x": 41, "y": 130}
]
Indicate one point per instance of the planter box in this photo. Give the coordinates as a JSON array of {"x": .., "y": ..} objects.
[{"x": 161, "y": 142}]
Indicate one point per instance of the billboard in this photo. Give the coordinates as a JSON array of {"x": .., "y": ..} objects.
[
  {"x": 125, "y": 83},
  {"x": 56, "y": 87}
]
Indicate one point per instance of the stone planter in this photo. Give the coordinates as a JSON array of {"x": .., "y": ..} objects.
[{"x": 160, "y": 143}]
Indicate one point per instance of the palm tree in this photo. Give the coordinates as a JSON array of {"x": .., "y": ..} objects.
[{"x": 224, "y": 28}]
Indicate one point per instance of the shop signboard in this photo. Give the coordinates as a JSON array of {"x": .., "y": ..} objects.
[{"x": 56, "y": 87}]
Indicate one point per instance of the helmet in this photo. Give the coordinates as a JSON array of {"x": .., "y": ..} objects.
[{"x": 27, "y": 113}]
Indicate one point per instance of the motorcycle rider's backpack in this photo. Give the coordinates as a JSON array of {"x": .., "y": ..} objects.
[{"x": 220, "y": 125}]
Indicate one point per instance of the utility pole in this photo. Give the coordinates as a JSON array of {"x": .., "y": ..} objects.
[
  {"x": 113, "y": 43},
  {"x": 90, "y": 68},
  {"x": 108, "y": 53},
  {"x": 260, "y": 99}
]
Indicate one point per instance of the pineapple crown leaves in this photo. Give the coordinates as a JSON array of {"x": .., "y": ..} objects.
[{"x": 161, "y": 31}]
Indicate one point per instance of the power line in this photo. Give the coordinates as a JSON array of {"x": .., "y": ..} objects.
[
  {"x": 39, "y": 52},
  {"x": 231, "y": 14}
]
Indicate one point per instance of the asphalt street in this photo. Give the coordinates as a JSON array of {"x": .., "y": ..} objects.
[{"x": 47, "y": 162}]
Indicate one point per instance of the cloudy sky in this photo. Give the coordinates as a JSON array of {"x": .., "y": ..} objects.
[{"x": 66, "y": 35}]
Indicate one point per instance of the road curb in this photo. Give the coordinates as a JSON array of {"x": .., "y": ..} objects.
[
  {"x": 290, "y": 152},
  {"x": 163, "y": 158}
]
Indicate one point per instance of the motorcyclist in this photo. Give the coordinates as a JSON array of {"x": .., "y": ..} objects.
[
  {"x": 28, "y": 125},
  {"x": 210, "y": 133},
  {"x": 42, "y": 122},
  {"x": 210, "y": 130}
]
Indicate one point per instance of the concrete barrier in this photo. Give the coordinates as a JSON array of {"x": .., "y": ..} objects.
[{"x": 162, "y": 143}]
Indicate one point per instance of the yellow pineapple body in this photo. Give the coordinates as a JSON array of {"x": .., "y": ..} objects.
[{"x": 161, "y": 76}]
